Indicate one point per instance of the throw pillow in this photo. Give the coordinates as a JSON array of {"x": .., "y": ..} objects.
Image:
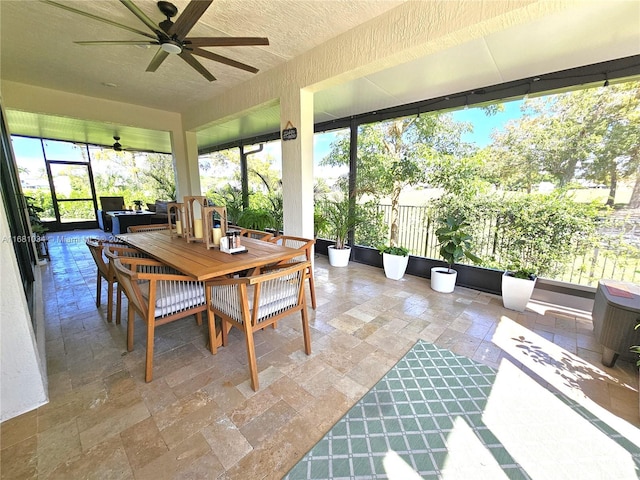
[{"x": 161, "y": 206}]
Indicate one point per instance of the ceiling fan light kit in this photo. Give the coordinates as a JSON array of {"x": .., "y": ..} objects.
[
  {"x": 171, "y": 46},
  {"x": 172, "y": 36}
]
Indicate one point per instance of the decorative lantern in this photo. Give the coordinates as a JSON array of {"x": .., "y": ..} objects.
[
  {"x": 177, "y": 223},
  {"x": 194, "y": 207},
  {"x": 215, "y": 225}
]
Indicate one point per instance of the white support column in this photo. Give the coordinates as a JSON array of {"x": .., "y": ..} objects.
[
  {"x": 296, "y": 106},
  {"x": 185, "y": 159}
]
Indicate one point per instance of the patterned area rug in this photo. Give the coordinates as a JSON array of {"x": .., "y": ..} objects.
[{"x": 436, "y": 414}]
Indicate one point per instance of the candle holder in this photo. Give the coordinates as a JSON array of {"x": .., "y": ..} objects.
[
  {"x": 176, "y": 215},
  {"x": 194, "y": 207},
  {"x": 215, "y": 225}
]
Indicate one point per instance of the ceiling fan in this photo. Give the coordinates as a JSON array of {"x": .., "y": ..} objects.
[
  {"x": 172, "y": 36},
  {"x": 117, "y": 146}
]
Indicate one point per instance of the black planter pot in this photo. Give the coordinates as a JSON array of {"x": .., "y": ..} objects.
[{"x": 478, "y": 278}]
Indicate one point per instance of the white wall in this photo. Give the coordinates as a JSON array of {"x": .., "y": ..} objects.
[{"x": 23, "y": 376}]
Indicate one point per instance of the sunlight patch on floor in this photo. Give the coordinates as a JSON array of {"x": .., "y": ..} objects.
[
  {"x": 544, "y": 308},
  {"x": 397, "y": 469},
  {"x": 467, "y": 457},
  {"x": 547, "y": 437},
  {"x": 563, "y": 370}
]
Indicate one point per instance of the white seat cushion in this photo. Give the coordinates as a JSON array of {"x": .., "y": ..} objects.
[{"x": 173, "y": 297}]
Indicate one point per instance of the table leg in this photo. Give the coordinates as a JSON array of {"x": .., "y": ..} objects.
[{"x": 609, "y": 357}]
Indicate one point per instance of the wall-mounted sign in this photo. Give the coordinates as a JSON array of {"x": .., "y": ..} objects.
[{"x": 289, "y": 132}]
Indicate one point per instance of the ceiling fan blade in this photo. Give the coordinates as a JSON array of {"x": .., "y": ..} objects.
[
  {"x": 187, "y": 57},
  {"x": 141, "y": 15},
  {"x": 225, "y": 41},
  {"x": 225, "y": 60},
  {"x": 117, "y": 42},
  {"x": 157, "y": 60},
  {"x": 100, "y": 19},
  {"x": 189, "y": 17}
]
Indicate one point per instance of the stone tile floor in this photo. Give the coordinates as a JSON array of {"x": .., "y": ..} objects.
[{"x": 200, "y": 419}]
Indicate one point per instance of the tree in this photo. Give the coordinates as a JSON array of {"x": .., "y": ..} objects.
[
  {"x": 397, "y": 153},
  {"x": 521, "y": 153},
  {"x": 160, "y": 174},
  {"x": 592, "y": 134},
  {"x": 219, "y": 169},
  {"x": 615, "y": 123}
]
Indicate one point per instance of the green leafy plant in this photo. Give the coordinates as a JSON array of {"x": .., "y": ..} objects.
[
  {"x": 231, "y": 198},
  {"x": 340, "y": 219},
  {"x": 34, "y": 216},
  {"x": 455, "y": 243},
  {"x": 320, "y": 222},
  {"x": 256, "y": 218},
  {"x": 38, "y": 229},
  {"x": 524, "y": 274},
  {"x": 539, "y": 233},
  {"x": 636, "y": 348},
  {"x": 516, "y": 270},
  {"x": 400, "y": 251}
]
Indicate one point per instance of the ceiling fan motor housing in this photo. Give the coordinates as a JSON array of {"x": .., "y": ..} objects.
[{"x": 168, "y": 9}]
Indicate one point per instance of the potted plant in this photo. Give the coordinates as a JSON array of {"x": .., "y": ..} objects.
[
  {"x": 455, "y": 244},
  {"x": 39, "y": 231},
  {"x": 340, "y": 218},
  {"x": 394, "y": 260},
  {"x": 517, "y": 287}
]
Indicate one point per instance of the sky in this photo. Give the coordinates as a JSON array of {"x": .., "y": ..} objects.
[{"x": 483, "y": 125}]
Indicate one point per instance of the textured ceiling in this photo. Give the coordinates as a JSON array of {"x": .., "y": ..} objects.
[
  {"x": 36, "y": 48},
  {"x": 37, "y": 45}
]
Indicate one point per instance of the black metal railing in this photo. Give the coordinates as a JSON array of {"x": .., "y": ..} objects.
[{"x": 614, "y": 256}]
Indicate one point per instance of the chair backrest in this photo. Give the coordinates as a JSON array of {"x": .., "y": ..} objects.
[
  {"x": 273, "y": 294},
  {"x": 257, "y": 234},
  {"x": 299, "y": 243},
  {"x": 148, "y": 228},
  {"x": 96, "y": 247},
  {"x": 112, "y": 252},
  {"x": 112, "y": 203},
  {"x": 148, "y": 283}
]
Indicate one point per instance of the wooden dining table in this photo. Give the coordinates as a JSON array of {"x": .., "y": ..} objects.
[{"x": 195, "y": 260}]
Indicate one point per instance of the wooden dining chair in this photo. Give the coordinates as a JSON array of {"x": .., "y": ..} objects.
[
  {"x": 253, "y": 303},
  {"x": 98, "y": 249},
  {"x": 112, "y": 252},
  {"x": 257, "y": 234},
  {"x": 159, "y": 294},
  {"x": 147, "y": 228},
  {"x": 305, "y": 246}
]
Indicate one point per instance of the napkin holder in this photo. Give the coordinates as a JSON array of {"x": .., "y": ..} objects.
[{"x": 224, "y": 247}]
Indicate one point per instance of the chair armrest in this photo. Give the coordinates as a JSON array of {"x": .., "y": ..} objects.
[{"x": 278, "y": 270}]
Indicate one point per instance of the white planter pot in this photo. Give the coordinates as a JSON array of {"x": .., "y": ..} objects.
[
  {"x": 339, "y": 257},
  {"x": 443, "y": 280},
  {"x": 516, "y": 292},
  {"x": 394, "y": 265}
]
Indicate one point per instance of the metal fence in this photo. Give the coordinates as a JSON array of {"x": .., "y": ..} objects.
[{"x": 614, "y": 256}]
